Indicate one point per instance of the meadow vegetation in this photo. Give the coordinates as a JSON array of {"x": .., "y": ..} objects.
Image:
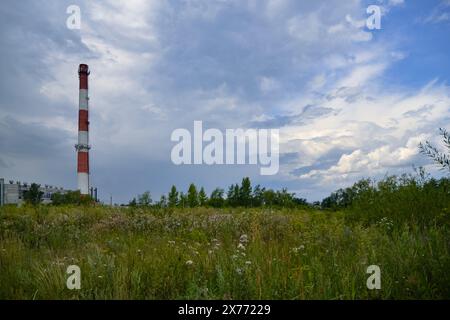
[{"x": 149, "y": 252}]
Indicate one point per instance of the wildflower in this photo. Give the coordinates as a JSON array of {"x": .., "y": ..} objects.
[
  {"x": 189, "y": 262},
  {"x": 243, "y": 238},
  {"x": 234, "y": 256},
  {"x": 297, "y": 249},
  {"x": 248, "y": 263},
  {"x": 100, "y": 277},
  {"x": 241, "y": 246},
  {"x": 239, "y": 271},
  {"x": 216, "y": 244},
  {"x": 171, "y": 242}
]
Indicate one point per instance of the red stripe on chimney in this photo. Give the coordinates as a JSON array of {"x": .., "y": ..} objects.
[
  {"x": 83, "y": 81},
  {"x": 83, "y": 120},
  {"x": 83, "y": 162}
]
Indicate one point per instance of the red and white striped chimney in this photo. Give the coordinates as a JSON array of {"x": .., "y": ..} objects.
[{"x": 83, "y": 131}]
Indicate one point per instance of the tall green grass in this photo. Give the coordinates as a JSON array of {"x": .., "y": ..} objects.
[{"x": 217, "y": 254}]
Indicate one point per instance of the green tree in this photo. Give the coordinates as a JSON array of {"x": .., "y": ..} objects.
[
  {"x": 162, "y": 203},
  {"x": 202, "y": 197},
  {"x": 302, "y": 202},
  {"x": 145, "y": 199},
  {"x": 233, "y": 195},
  {"x": 192, "y": 196},
  {"x": 245, "y": 193},
  {"x": 173, "y": 197},
  {"x": 183, "y": 203},
  {"x": 133, "y": 203},
  {"x": 269, "y": 197},
  {"x": 258, "y": 196},
  {"x": 58, "y": 199},
  {"x": 216, "y": 199},
  {"x": 284, "y": 198},
  {"x": 71, "y": 198},
  {"x": 33, "y": 195}
]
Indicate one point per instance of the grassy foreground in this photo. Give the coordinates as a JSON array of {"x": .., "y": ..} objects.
[{"x": 216, "y": 254}]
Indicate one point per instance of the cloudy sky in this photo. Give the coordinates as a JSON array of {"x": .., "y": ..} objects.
[{"x": 349, "y": 102}]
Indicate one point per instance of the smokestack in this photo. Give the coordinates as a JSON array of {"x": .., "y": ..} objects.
[{"x": 83, "y": 131}]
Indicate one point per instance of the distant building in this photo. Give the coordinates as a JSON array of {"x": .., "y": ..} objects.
[{"x": 12, "y": 192}]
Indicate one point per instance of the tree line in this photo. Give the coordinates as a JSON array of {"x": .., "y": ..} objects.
[
  {"x": 33, "y": 196},
  {"x": 243, "y": 195}
]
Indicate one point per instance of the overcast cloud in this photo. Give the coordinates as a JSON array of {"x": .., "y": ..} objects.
[{"x": 349, "y": 102}]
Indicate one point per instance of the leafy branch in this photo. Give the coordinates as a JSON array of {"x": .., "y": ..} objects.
[{"x": 436, "y": 155}]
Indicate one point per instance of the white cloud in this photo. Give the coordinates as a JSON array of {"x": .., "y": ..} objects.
[
  {"x": 439, "y": 14},
  {"x": 268, "y": 84},
  {"x": 396, "y": 2},
  {"x": 383, "y": 134},
  {"x": 360, "y": 75}
]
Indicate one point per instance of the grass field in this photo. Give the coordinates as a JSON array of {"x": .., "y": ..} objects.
[{"x": 205, "y": 253}]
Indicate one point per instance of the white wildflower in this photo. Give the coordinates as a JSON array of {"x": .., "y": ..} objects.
[
  {"x": 243, "y": 238},
  {"x": 297, "y": 249}
]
